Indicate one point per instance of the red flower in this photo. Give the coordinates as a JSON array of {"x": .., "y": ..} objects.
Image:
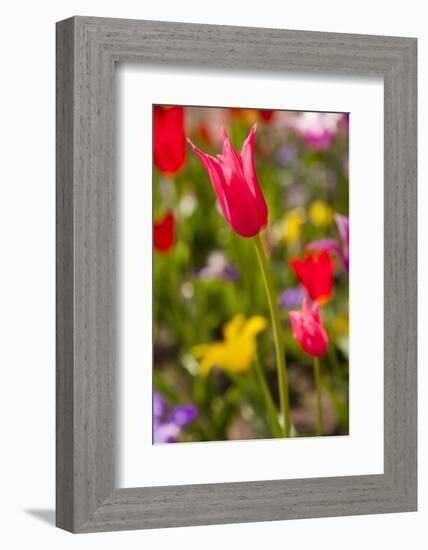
[
  {"x": 235, "y": 183},
  {"x": 169, "y": 143},
  {"x": 315, "y": 272},
  {"x": 164, "y": 233},
  {"x": 266, "y": 114},
  {"x": 308, "y": 329}
]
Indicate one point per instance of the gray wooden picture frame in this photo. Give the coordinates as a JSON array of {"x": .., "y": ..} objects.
[{"x": 87, "y": 50}]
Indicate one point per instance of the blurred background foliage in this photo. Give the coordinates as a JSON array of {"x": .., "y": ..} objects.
[{"x": 205, "y": 274}]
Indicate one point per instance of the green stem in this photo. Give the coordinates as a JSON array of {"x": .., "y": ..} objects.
[
  {"x": 270, "y": 405},
  {"x": 278, "y": 336},
  {"x": 318, "y": 394}
]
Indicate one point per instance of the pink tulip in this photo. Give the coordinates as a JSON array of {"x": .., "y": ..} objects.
[
  {"x": 308, "y": 329},
  {"x": 235, "y": 183}
]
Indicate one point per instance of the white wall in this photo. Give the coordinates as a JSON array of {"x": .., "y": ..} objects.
[{"x": 27, "y": 271}]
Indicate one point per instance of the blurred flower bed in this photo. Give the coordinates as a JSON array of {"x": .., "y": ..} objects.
[{"x": 215, "y": 364}]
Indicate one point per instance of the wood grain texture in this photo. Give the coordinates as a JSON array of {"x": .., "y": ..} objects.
[
  {"x": 64, "y": 276},
  {"x": 87, "y": 50}
]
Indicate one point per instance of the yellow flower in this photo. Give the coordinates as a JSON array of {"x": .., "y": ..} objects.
[
  {"x": 321, "y": 214},
  {"x": 293, "y": 221},
  {"x": 237, "y": 351}
]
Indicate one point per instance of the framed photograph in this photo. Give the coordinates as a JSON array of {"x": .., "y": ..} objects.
[{"x": 236, "y": 274}]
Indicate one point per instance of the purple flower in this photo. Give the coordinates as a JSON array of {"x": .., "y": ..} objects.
[
  {"x": 166, "y": 433},
  {"x": 159, "y": 405},
  {"x": 342, "y": 223},
  {"x": 285, "y": 155},
  {"x": 341, "y": 250},
  {"x": 168, "y": 422},
  {"x": 183, "y": 415},
  {"x": 291, "y": 297},
  {"x": 217, "y": 268}
]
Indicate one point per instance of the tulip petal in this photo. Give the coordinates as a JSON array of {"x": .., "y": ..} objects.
[
  {"x": 308, "y": 329},
  {"x": 169, "y": 146},
  {"x": 253, "y": 326},
  {"x": 200, "y": 350},
  {"x": 236, "y": 186},
  {"x": 215, "y": 173},
  {"x": 342, "y": 223},
  {"x": 237, "y": 351},
  {"x": 316, "y": 312},
  {"x": 325, "y": 244},
  {"x": 229, "y": 156},
  {"x": 211, "y": 355},
  {"x": 315, "y": 273},
  {"x": 306, "y": 309},
  {"x": 295, "y": 324},
  {"x": 232, "y": 329},
  {"x": 247, "y": 156},
  {"x": 244, "y": 214},
  {"x": 164, "y": 233}
]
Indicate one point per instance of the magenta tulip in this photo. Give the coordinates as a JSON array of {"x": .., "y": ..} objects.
[
  {"x": 308, "y": 329},
  {"x": 235, "y": 183}
]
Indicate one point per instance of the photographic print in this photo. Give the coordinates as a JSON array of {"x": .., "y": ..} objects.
[
  {"x": 203, "y": 262},
  {"x": 250, "y": 274}
]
